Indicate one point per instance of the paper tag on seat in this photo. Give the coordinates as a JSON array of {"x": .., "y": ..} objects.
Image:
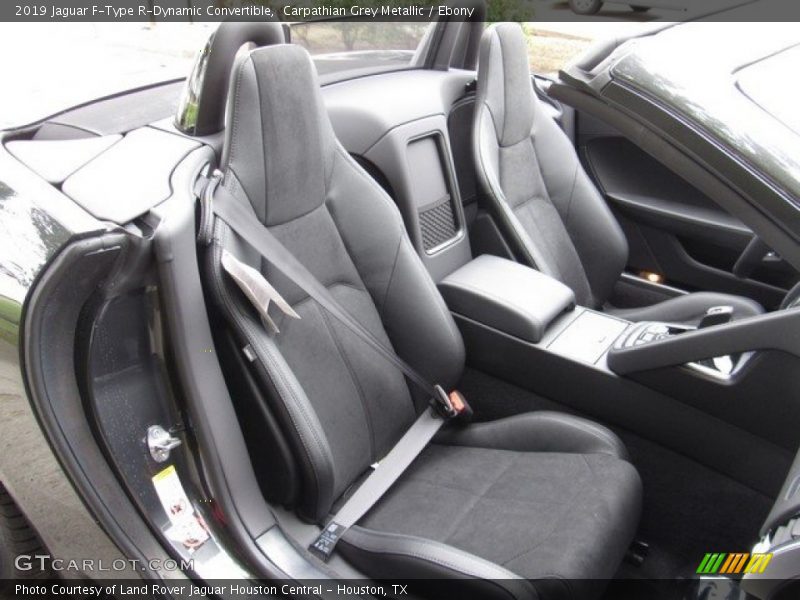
[{"x": 257, "y": 289}]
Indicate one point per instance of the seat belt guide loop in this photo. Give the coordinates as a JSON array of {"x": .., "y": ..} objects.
[{"x": 206, "y": 229}]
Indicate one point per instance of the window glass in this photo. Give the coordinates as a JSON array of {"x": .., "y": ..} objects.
[
  {"x": 553, "y": 45},
  {"x": 353, "y": 46}
]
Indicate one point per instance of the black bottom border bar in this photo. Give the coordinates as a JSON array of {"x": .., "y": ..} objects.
[{"x": 713, "y": 588}]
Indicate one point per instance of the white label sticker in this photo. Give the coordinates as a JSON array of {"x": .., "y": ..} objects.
[{"x": 188, "y": 527}]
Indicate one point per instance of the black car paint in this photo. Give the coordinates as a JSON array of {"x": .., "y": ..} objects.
[{"x": 30, "y": 468}]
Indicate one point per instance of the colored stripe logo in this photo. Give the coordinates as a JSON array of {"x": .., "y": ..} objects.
[{"x": 720, "y": 563}]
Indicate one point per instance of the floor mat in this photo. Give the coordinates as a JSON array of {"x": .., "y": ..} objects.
[
  {"x": 691, "y": 510},
  {"x": 688, "y": 509}
]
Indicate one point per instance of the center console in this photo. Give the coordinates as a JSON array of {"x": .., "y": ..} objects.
[
  {"x": 518, "y": 302},
  {"x": 507, "y": 296},
  {"x": 698, "y": 390}
]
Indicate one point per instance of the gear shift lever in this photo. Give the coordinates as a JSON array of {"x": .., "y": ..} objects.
[{"x": 716, "y": 315}]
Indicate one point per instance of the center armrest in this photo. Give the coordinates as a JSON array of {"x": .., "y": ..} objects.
[{"x": 507, "y": 296}]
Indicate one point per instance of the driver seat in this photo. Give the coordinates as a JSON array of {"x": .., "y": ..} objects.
[{"x": 545, "y": 203}]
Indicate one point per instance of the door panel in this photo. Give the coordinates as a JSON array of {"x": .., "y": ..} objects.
[{"x": 672, "y": 228}]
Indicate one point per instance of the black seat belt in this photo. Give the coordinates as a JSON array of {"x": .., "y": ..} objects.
[{"x": 218, "y": 201}]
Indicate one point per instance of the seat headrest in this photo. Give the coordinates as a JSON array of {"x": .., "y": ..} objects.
[
  {"x": 504, "y": 82},
  {"x": 279, "y": 143},
  {"x": 202, "y": 105}
]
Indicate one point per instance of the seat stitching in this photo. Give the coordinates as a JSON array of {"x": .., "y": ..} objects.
[
  {"x": 329, "y": 174},
  {"x": 505, "y": 86},
  {"x": 437, "y": 300},
  {"x": 335, "y": 284},
  {"x": 529, "y": 200},
  {"x": 477, "y": 497},
  {"x": 403, "y": 238},
  {"x": 549, "y": 264},
  {"x": 381, "y": 193},
  {"x": 263, "y": 140},
  {"x": 555, "y": 522},
  {"x": 391, "y": 276},
  {"x": 571, "y": 196},
  {"x": 592, "y": 481},
  {"x": 356, "y": 381},
  {"x": 549, "y": 198},
  {"x": 588, "y": 428},
  {"x": 332, "y": 215},
  {"x": 494, "y": 123},
  {"x": 296, "y": 216},
  {"x": 234, "y": 137},
  {"x": 422, "y": 555},
  {"x": 492, "y": 186}
]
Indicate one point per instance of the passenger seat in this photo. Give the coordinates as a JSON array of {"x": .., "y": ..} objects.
[
  {"x": 545, "y": 203},
  {"x": 542, "y": 505}
]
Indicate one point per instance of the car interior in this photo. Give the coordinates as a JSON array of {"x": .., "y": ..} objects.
[{"x": 623, "y": 341}]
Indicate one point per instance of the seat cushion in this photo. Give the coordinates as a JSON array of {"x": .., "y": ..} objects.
[
  {"x": 563, "y": 520},
  {"x": 540, "y": 431},
  {"x": 690, "y": 308}
]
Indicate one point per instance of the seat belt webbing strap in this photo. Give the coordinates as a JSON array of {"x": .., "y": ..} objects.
[{"x": 389, "y": 470}]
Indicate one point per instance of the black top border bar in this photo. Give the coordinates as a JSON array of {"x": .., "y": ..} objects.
[{"x": 390, "y": 10}]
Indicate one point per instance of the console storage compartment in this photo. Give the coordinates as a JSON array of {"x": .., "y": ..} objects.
[{"x": 506, "y": 296}]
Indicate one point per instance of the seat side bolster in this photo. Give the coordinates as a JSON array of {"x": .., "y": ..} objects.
[
  {"x": 591, "y": 225},
  {"x": 289, "y": 402},
  {"x": 485, "y": 153},
  {"x": 541, "y": 431},
  {"x": 410, "y": 305},
  {"x": 398, "y": 556}
]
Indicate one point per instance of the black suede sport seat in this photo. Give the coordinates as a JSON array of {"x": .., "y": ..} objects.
[
  {"x": 544, "y": 201},
  {"x": 543, "y": 496}
]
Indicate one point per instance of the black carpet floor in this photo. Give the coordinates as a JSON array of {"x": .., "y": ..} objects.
[{"x": 688, "y": 508}]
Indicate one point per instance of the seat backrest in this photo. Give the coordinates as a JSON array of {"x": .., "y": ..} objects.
[
  {"x": 542, "y": 198},
  {"x": 340, "y": 406}
]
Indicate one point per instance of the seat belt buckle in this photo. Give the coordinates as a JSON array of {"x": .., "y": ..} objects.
[{"x": 451, "y": 406}]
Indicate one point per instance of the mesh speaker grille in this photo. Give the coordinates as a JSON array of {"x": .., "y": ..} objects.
[{"x": 438, "y": 224}]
